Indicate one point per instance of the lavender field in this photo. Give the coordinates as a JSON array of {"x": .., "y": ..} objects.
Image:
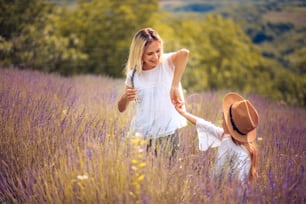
[{"x": 63, "y": 141}]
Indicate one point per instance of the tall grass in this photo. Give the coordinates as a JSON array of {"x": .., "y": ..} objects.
[{"x": 63, "y": 141}]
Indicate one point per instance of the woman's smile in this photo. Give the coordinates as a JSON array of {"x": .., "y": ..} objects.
[{"x": 151, "y": 55}]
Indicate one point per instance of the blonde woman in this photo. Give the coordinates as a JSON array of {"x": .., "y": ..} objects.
[
  {"x": 153, "y": 83},
  {"x": 237, "y": 153}
]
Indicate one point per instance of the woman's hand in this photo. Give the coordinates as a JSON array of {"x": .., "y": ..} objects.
[
  {"x": 175, "y": 96},
  {"x": 129, "y": 95}
]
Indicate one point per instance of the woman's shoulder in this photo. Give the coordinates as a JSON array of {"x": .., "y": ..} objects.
[
  {"x": 167, "y": 56},
  {"x": 181, "y": 52},
  {"x": 166, "y": 60}
]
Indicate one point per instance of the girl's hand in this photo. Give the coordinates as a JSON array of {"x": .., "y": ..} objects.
[{"x": 180, "y": 108}]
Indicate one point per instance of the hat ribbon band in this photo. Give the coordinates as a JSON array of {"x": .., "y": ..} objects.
[{"x": 233, "y": 123}]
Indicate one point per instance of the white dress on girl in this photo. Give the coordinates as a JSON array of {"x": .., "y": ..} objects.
[{"x": 232, "y": 160}]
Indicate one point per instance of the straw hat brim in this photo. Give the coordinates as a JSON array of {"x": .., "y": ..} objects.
[{"x": 228, "y": 100}]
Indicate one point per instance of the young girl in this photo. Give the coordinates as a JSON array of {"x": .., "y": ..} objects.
[
  {"x": 237, "y": 155},
  {"x": 153, "y": 83}
]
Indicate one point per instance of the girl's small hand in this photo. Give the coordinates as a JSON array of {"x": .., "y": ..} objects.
[{"x": 180, "y": 108}]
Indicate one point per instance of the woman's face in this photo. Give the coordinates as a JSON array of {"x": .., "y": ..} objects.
[{"x": 151, "y": 55}]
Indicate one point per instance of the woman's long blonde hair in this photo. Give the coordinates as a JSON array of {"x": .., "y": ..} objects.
[
  {"x": 252, "y": 149},
  {"x": 141, "y": 40}
]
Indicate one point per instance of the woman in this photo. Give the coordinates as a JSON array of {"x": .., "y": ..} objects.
[
  {"x": 153, "y": 82},
  {"x": 237, "y": 153}
]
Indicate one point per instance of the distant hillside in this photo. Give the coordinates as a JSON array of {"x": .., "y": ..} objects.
[{"x": 277, "y": 27}]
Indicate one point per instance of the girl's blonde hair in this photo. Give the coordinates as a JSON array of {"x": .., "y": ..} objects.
[
  {"x": 141, "y": 40},
  {"x": 252, "y": 149}
]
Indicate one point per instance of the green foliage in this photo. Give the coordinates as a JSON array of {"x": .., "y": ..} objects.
[
  {"x": 298, "y": 60},
  {"x": 5, "y": 49},
  {"x": 94, "y": 37},
  {"x": 33, "y": 38},
  {"x": 223, "y": 57},
  {"x": 106, "y": 28},
  {"x": 43, "y": 46},
  {"x": 16, "y": 14}
]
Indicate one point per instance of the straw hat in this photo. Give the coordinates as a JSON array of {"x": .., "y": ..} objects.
[{"x": 241, "y": 117}]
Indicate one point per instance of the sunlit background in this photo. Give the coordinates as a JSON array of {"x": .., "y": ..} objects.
[{"x": 62, "y": 72}]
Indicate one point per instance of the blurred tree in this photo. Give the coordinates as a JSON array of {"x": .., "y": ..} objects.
[
  {"x": 92, "y": 37},
  {"x": 5, "y": 50},
  {"x": 15, "y": 15},
  {"x": 42, "y": 46},
  {"x": 298, "y": 59},
  {"x": 106, "y": 29}
]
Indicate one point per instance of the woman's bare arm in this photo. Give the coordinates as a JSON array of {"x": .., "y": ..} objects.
[{"x": 179, "y": 59}]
